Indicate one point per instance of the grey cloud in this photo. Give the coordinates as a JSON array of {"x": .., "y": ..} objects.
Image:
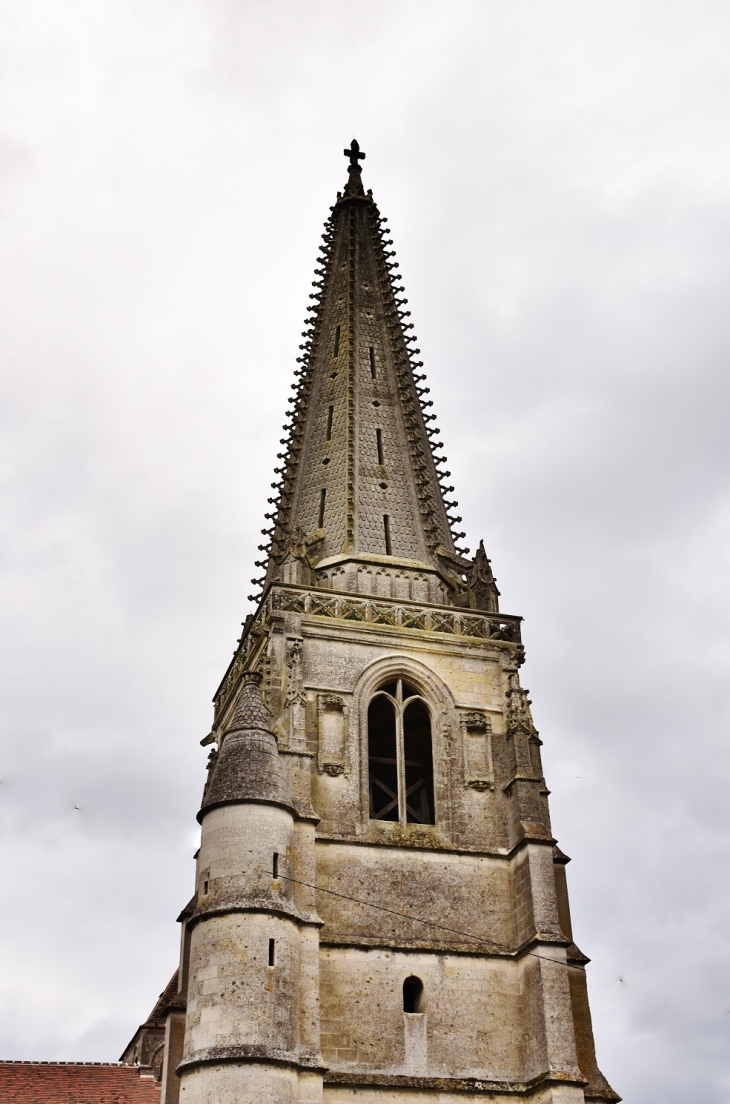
[{"x": 557, "y": 181}]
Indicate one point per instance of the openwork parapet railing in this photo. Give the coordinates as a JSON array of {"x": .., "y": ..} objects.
[
  {"x": 399, "y": 614},
  {"x": 386, "y": 612}
]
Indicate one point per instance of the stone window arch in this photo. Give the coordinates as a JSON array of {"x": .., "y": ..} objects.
[{"x": 400, "y": 755}]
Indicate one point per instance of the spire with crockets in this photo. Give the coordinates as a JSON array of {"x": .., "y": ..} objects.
[{"x": 362, "y": 475}]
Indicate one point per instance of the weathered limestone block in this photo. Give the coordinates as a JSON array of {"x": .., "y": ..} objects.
[
  {"x": 247, "y": 1083},
  {"x": 241, "y": 995}
]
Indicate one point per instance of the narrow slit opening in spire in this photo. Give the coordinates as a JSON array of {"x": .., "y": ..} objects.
[
  {"x": 337, "y": 341},
  {"x": 330, "y": 415},
  {"x": 322, "y": 499},
  {"x": 386, "y": 528},
  {"x": 373, "y": 369},
  {"x": 379, "y": 444}
]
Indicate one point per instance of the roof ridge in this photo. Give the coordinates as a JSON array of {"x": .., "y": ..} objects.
[{"x": 58, "y": 1062}]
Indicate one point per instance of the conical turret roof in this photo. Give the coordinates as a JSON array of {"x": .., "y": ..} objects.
[
  {"x": 248, "y": 767},
  {"x": 360, "y": 470}
]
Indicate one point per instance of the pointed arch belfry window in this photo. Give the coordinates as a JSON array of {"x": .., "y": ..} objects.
[
  {"x": 383, "y": 758},
  {"x": 400, "y": 755},
  {"x": 418, "y": 762}
]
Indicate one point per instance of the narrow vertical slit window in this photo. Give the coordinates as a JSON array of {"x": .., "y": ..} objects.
[
  {"x": 275, "y": 865},
  {"x": 205, "y": 887},
  {"x": 322, "y": 498},
  {"x": 379, "y": 443},
  {"x": 330, "y": 416},
  {"x": 386, "y": 528},
  {"x": 337, "y": 341},
  {"x": 373, "y": 370},
  {"x": 272, "y": 952}
]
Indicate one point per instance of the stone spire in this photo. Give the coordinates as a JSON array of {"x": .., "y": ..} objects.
[{"x": 360, "y": 471}]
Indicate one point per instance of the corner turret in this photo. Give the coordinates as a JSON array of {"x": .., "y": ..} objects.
[{"x": 251, "y": 1022}]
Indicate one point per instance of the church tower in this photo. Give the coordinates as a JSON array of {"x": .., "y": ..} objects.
[{"x": 380, "y": 908}]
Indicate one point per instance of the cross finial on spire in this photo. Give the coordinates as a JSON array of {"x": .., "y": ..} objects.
[
  {"x": 354, "y": 180},
  {"x": 354, "y": 154}
]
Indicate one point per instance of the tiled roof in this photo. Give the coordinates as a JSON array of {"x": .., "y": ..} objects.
[{"x": 75, "y": 1083}]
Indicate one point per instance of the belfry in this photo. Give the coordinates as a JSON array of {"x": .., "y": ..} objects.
[{"x": 380, "y": 909}]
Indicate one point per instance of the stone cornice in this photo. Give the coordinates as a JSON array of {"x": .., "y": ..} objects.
[
  {"x": 264, "y": 907},
  {"x": 446, "y": 622},
  {"x": 473, "y": 1085},
  {"x": 251, "y": 1053},
  {"x": 438, "y": 845}
]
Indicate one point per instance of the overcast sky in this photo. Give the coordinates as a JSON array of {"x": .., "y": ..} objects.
[{"x": 557, "y": 178}]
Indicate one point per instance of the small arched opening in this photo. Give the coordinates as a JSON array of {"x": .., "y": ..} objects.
[{"x": 413, "y": 1000}]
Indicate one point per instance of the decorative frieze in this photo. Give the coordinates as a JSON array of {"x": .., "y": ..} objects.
[
  {"x": 412, "y": 616},
  {"x": 405, "y": 615}
]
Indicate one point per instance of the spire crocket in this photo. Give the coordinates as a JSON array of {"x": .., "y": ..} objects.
[{"x": 362, "y": 473}]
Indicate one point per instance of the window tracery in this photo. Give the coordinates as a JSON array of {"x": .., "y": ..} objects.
[{"x": 400, "y": 755}]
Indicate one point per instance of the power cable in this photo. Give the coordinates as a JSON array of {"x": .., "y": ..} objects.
[{"x": 415, "y": 919}]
